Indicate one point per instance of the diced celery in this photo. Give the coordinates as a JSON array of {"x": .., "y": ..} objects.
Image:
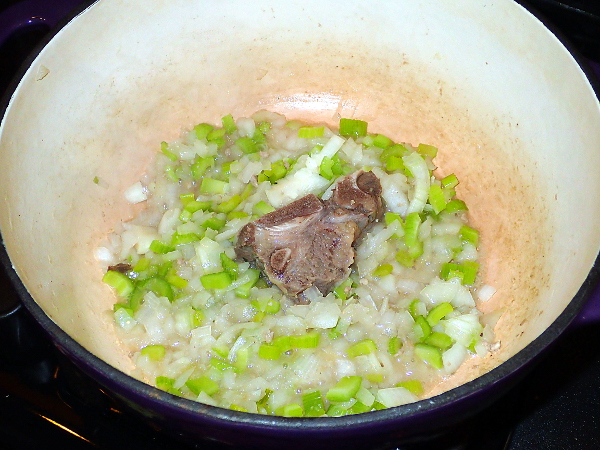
[
  {"x": 391, "y": 217},
  {"x": 214, "y": 223},
  {"x": 438, "y": 312},
  {"x": 466, "y": 272},
  {"x": 429, "y": 354},
  {"x": 221, "y": 365},
  {"x": 353, "y": 127},
  {"x": 439, "y": 340},
  {"x": 263, "y": 405},
  {"x": 235, "y": 407},
  {"x": 195, "y": 205},
  {"x": 200, "y": 165},
  {"x": 229, "y": 205},
  {"x": 422, "y": 329},
  {"x": 363, "y": 347},
  {"x": 202, "y": 130},
  {"x": 469, "y": 234},
  {"x": 436, "y": 198},
  {"x": 415, "y": 307},
  {"x": 229, "y": 266},
  {"x": 164, "y": 148},
  {"x": 262, "y": 208},
  {"x": 236, "y": 215},
  {"x": 122, "y": 285},
  {"x": 228, "y": 123},
  {"x": 343, "y": 290},
  {"x": 308, "y": 340},
  {"x": 449, "y": 181},
  {"x": 160, "y": 247},
  {"x": 154, "y": 352},
  {"x": 283, "y": 342},
  {"x": 243, "y": 291},
  {"x": 337, "y": 411},
  {"x": 176, "y": 281},
  {"x": 202, "y": 384},
  {"x": 291, "y": 410},
  {"x": 159, "y": 286},
  {"x": 310, "y": 132},
  {"x": 382, "y": 141},
  {"x": 313, "y": 404},
  {"x": 413, "y": 386},
  {"x": 180, "y": 239},
  {"x": 427, "y": 150},
  {"x": 345, "y": 389},
  {"x": 455, "y": 206},
  {"x": 247, "y": 145},
  {"x": 383, "y": 270},
  {"x": 394, "y": 345},
  {"x": 164, "y": 383},
  {"x": 394, "y": 163},
  {"x": 269, "y": 351},
  {"x": 186, "y": 198},
  {"x": 212, "y": 186},
  {"x": 359, "y": 408},
  {"x": 218, "y": 280},
  {"x": 142, "y": 265}
]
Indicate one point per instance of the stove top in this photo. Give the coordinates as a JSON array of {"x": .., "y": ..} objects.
[{"x": 46, "y": 402}]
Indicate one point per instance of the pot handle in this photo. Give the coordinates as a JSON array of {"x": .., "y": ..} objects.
[{"x": 29, "y": 14}]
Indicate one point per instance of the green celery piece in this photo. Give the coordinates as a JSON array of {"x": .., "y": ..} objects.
[
  {"x": 429, "y": 354},
  {"x": 263, "y": 404},
  {"x": 413, "y": 308},
  {"x": 382, "y": 141},
  {"x": 391, "y": 217},
  {"x": 337, "y": 411},
  {"x": 283, "y": 342},
  {"x": 247, "y": 145},
  {"x": 221, "y": 365},
  {"x": 359, "y": 408},
  {"x": 363, "y": 347},
  {"x": 228, "y": 124},
  {"x": 154, "y": 352},
  {"x": 414, "y": 386},
  {"x": 187, "y": 238},
  {"x": 438, "y": 312},
  {"x": 164, "y": 383},
  {"x": 466, "y": 272},
  {"x": 313, "y": 404},
  {"x": 269, "y": 351},
  {"x": 436, "y": 198},
  {"x": 142, "y": 265},
  {"x": 176, "y": 281},
  {"x": 229, "y": 266},
  {"x": 243, "y": 291},
  {"x": 383, "y": 270},
  {"x": 326, "y": 168},
  {"x": 345, "y": 389},
  {"x": 422, "y": 328},
  {"x": 236, "y": 215},
  {"x": 291, "y": 410},
  {"x": 469, "y": 234},
  {"x": 394, "y": 163},
  {"x": 427, "y": 150},
  {"x": 353, "y": 127},
  {"x": 343, "y": 290},
  {"x": 412, "y": 224},
  {"x": 186, "y": 198},
  {"x": 164, "y": 148},
  {"x": 235, "y": 407},
  {"x": 200, "y": 166},
  {"x": 455, "y": 206},
  {"x": 213, "y": 186},
  {"x": 229, "y": 205},
  {"x": 159, "y": 286},
  {"x": 122, "y": 285},
  {"x": 202, "y": 384},
  {"x": 449, "y": 181},
  {"x": 308, "y": 132},
  {"x": 214, "y": 223},
  {"x": 202, "y": 130},
  {"x": 394, "y": 345},
  {"x": 218, "y": 280},
  {"x": 160, "y": 247},
  {"x": 308, "y": 340},
  {"x": 262, "y": 208},
  {"x": 439, "y": 340},
  {"x": 198, "y": 317},
  {"x": 195, "y": 205}
]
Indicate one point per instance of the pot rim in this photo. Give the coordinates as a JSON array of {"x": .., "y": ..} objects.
[{"x": 84, "y": 359}]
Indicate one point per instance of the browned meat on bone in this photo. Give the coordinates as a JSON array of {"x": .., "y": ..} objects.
[{"x": 310, "y": 242}]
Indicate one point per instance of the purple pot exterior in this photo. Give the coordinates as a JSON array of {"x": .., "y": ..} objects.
[{"x": 190, "y": 421}]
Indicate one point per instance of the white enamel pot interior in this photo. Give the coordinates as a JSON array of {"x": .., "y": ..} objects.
[{"x": 509, "y": 108}]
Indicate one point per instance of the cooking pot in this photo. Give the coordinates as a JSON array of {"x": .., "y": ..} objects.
[{"x": 509, "y": 107}]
